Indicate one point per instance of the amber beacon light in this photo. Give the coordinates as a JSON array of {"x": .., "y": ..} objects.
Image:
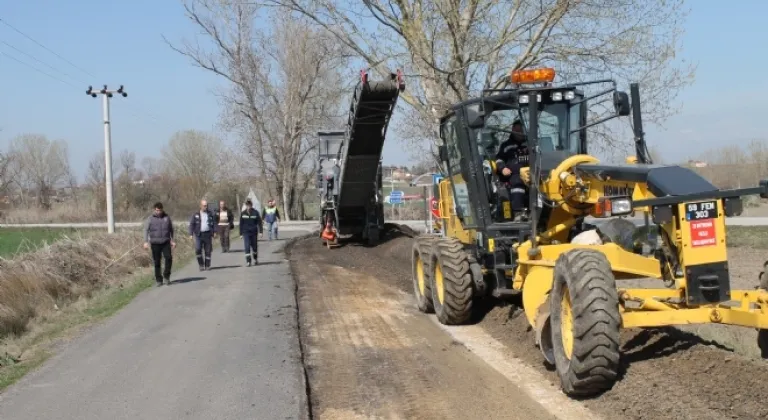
[{"x": 541, "y": 75}]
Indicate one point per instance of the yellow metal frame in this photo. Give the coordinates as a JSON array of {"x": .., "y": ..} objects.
[
  {"x": 653, "y": 307},
  {"x": 453, "y": 226},
  {"x": 576, "y": 194}
]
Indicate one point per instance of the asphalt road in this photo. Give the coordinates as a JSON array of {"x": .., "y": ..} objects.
[{"x": 218, "y": 344}]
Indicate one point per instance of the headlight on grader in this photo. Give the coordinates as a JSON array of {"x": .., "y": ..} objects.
[{"x": 612, "y": 206}]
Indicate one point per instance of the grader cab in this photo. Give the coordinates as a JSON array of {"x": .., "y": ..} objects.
[{"x": 568, "y": 271}]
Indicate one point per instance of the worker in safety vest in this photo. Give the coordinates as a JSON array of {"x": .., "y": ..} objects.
[{"x": 271, "y": 216}]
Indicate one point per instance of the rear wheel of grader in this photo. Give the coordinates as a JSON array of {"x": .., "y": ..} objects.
[
  {"x": 585, "y": 322},
  {"x": 421, "y": 261},
  {"x": 452, "y": 289}
]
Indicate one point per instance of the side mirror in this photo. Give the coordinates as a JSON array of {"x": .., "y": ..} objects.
[
  {"x": 475, "y": 116},
  {"x": 443, "y": 153},
  {"x": 621, "y": 103},
  {"x": 477, "y": 122}
]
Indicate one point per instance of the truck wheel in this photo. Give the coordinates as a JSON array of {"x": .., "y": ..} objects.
[
  {"x": 421, "y": 257},
  {"x": 452, "y": 290},
  {"x": 373, "y": 236},
  {"x": 585, "y": 322}
]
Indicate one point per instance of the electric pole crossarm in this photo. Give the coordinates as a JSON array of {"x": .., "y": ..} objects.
[{"x": 107, "y": 94}]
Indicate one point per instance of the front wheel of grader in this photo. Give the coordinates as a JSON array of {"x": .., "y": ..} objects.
[
  {"x": 422, "y": 270},
  {"x": 585, "y": 322},
  {"x": 452, "y": 288}
]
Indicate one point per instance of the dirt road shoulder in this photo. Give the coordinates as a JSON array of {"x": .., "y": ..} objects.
[{"x": 369, "y": 354}]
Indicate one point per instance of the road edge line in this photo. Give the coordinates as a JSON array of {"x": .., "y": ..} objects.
[
  {"x": 492, "y": 352},
  {"x": 307, "y": 395}
]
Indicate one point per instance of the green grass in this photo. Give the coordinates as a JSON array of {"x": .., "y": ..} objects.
[
  {"x": 16, "y": 240},
  {"x": 747, "y": 236}
]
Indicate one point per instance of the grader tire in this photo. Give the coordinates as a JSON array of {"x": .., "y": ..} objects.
[
  {"x": 762, "y": 343},
  {"x": 452, "y": 289},
  {"x": 585, "y": 322},
  {"x": 421, "y": 262}
]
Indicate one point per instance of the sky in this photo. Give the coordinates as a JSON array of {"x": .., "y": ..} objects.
[{"x": 122, "y": 44}]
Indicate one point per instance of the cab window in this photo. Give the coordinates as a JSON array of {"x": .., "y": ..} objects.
[{"x": 452, "y": 134}]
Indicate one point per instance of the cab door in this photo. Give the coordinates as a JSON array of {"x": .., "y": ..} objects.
[{"x": 454, "y": 189}]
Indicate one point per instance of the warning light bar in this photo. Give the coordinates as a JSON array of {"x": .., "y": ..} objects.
[{"x": 546, "y": 74}]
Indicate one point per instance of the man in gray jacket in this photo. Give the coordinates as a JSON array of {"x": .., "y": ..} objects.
[{"x": 158, "y": 233}]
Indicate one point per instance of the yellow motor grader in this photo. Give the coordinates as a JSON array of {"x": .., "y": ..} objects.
[{"x": 574, "y": 247}]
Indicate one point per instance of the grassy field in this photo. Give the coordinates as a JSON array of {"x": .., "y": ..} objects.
[{"x": 16, "y": 240}]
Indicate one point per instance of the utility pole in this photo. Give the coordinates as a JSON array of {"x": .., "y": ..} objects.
[{"x": 106, "y": 95}]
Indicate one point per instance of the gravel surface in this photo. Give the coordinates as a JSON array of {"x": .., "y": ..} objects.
[
  {"x": 369, "y": 353},
  {"x": 667, "y": 373}
]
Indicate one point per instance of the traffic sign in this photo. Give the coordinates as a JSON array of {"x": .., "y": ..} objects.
[
  {"x": 436, "y": 178},
  {"x": 396, "y": 197}
]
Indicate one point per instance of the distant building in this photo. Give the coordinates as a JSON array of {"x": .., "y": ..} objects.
[{"x": 396, "y": 173}]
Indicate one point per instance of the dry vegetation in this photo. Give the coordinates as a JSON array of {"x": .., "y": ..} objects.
[{"x": 51, "y": 288}]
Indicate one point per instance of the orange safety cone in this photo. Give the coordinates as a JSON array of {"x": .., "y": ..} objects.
[{"x": 328, "y": 233}]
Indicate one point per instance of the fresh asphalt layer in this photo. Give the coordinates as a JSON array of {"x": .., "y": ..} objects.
[{"x": 217, "y": 344}]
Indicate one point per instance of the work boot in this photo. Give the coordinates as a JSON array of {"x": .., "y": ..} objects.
[
  {"x": 202, "y": 268},
  {"x": 158, "y": 283},
  {"x": 167, "y": 281}
]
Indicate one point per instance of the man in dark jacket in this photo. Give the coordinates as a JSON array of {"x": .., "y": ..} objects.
[
  {"x": 513, "y": 155},
  {"x": 202, "y": 229},
  {"x": 225, "y": 222},
  {"x": 158, "y": 233},
  {"x": 250, "y": 225}
]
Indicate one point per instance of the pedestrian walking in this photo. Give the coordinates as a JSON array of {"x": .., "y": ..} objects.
[
  {"x": 226, "y": 222},
  {"x": 272, "y": 217},
  {"x": 158, "y": 234},
  {"x": 250, "y": 225},
  {"x": 201, "y": 228}
]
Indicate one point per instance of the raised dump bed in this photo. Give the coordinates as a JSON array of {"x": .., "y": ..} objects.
[{"x": 349, "y": 176}]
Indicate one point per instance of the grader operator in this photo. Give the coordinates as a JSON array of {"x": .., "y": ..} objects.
[{"x": 569, "y": 273}]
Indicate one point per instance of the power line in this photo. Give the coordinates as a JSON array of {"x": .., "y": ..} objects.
[
  {"x": 38, "y": 60},
  {"x": 4, "y": 22},
  {"x": 150, "y": 116},
  {"x": 37, "y": 69}
]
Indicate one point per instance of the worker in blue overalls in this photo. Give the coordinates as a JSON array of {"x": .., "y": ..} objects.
[
  {"x": 272, "y": 216},
  {"x": 250, "y": 226}
]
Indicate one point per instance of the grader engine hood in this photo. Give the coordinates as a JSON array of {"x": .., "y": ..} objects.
[{"x": 661, "y": 180}]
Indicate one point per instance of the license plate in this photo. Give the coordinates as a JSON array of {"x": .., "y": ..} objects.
[{"x": 701, "y": 211}]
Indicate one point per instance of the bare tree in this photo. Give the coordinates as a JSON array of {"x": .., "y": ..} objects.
[
  {"x": 96, "y": 179},
  {"x": 6, "y": 178},
  {"x": 41, "y": 166},
  {"x": 456, "y": 48},
  {"x": 284, "y": 86},
  {"x": 193, "y": 159},
  {"x": 129, "y": 191}
]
